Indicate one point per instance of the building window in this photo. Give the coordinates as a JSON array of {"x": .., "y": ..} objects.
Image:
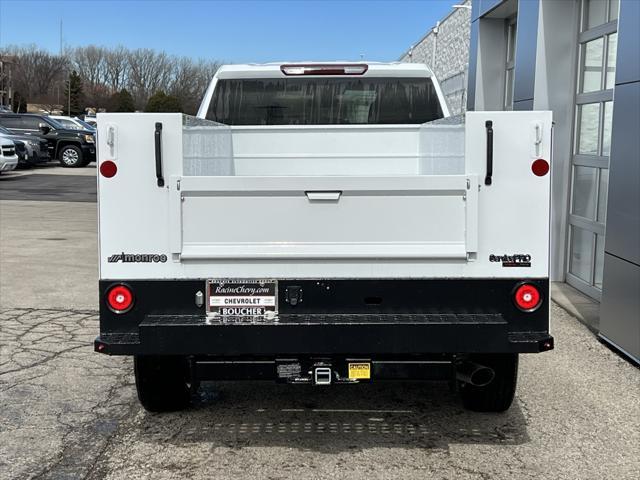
[
  {"x": 510, "y": 62},
  {"x": 597, "y": 46}
]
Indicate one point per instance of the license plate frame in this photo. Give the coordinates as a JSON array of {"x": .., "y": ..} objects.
[{"x": 242, "y": 298}]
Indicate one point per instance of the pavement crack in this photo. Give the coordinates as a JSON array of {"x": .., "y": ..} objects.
[
  {"x": 97, "y": 459},
  {"x": 43, "y": 361}
]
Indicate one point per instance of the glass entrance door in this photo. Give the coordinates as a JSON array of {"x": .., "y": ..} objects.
[{"x": 597, "y": 45}]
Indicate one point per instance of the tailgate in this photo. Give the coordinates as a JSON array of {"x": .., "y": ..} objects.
[{"x": 324, "y": 217}]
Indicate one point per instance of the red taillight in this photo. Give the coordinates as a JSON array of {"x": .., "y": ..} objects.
[
  {"x": 120, "y": 298},
  {"x": 527, "y": 297},
  {"x": 330, "y": 69},
  {"x": 540, "y": 167},
  {"x": 108, "y": 169}
]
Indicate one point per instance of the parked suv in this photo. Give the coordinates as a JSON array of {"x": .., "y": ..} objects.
[
  {"x": 35, "y": 150},
  {"x": 8, "y": 157},
  {"x": 73, "y": 148}
]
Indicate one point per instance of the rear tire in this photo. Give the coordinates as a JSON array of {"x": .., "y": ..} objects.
[
  {"x": 70, "y": 156},
  {"x": 162, "y": 382},
  {"x": 498, "y": 395}
]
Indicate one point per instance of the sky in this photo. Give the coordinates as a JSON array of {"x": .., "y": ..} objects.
[{"x": 228, "y": 31}]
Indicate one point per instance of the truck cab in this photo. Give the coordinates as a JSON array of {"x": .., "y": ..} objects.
[{"x": 324, "y": 223}]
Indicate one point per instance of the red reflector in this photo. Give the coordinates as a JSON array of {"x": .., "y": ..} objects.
[
  {"x": 348, "y": 69},
  {"x": 108, "y": 169},
  {"x": 120, "y": 298},
  {"x": 527, "y": 297},
  {"x": 540, "y": 167}
]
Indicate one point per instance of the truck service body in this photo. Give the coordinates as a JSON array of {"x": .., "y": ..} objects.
[{"x": 324, "y": 223}]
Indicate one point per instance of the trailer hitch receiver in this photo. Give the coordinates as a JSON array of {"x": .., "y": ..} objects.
[{"x": 322, "y": 376}]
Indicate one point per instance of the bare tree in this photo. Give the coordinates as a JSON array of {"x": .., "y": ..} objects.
[
  {"x": 190, "y": 81},
  {"x": 39, "y": 75},
  {"x": 116, "y": 69},
  {"x": 90, "y": 63},
  {"x": 149, "y": 72}
]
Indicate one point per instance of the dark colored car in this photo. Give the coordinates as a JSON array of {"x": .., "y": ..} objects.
[
  {"x": 31, "y": 149},
  {"x": 21, "y": 151},
  {"x": 73, "y": 148}
]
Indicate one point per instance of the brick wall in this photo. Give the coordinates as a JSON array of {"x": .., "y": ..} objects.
[{"x": 450, "y": 59}]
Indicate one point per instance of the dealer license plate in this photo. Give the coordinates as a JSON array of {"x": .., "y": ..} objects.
[{"x": 243, "y": 298}]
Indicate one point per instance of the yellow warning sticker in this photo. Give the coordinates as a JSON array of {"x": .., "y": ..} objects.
[{"x": 359, "y": 371}]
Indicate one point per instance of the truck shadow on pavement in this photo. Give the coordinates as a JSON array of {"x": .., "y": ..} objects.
[{"x": 333, "y": 419}]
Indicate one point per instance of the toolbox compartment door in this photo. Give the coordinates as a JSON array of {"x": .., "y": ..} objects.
[{"x": 244, "y": 218}]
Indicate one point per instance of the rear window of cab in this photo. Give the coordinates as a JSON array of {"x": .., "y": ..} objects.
[{"x": 325, "y": 101}]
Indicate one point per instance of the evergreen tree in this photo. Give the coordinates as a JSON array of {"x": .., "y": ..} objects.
[
  {"x": 161, "y": 102},
  {"x": 73, "y": 95},
  {"x": 122, "y": 101}
]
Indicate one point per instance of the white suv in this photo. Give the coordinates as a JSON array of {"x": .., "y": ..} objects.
[
  {"x": 73, "y": 123},
  {"x": 8, "y": 156}
]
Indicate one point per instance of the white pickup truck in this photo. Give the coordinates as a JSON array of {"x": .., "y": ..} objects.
[{"x": 324, "y": 224}]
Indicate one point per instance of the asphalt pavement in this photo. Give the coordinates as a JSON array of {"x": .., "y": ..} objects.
[
  {"x": 69, "y": 413},
  {"x": 43, "y": 186}
]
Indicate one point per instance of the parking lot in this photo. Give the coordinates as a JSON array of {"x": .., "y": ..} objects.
[{"x": 67, "y": 412}]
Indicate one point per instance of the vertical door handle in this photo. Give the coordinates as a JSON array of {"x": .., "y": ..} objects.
[
  {"x": 489, "y": 127},
  {"x": 158, "y": 142}
]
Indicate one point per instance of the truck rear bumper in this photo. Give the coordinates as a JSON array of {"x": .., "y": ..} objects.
[
  {"x": 340, "y": 318},
  {"x": 309, "y": 335}
]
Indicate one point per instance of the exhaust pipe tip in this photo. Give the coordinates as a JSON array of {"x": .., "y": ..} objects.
[
  {"x": 482, "y": 376},
  {"x": 474, "y": 374}
]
